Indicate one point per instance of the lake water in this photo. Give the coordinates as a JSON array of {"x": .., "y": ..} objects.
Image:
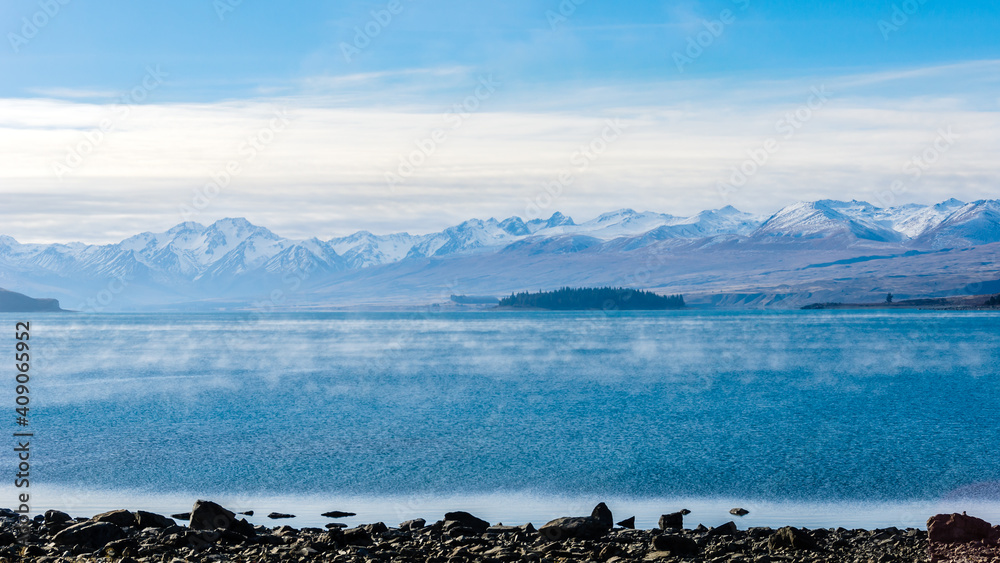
[{"x": 859, "y": 419}]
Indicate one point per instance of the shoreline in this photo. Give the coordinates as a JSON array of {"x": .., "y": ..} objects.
[
  {"x": 521, "y": 507},
  {"x": 210, "y": 532}
]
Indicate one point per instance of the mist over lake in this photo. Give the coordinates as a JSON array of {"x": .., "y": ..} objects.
[{"x": 806, "y": 408}]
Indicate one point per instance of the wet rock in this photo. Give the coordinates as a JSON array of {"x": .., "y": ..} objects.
[
  {"x": 957, "y": 528},
  {"x": 279, "y": 516},
  {"x": 415, "y": 524},
  {"x": 628, "y": 523},
  {"x": 673, "y": 520},
  {"x": 8, "y": 513},
  {"x": 184, "y": 516},
  {"x": 57, "y": 521},
  {"x": 466, "y": 520},
  {"x": 118, "y": 548},
  {"x": 675, "y": 545},
  {"x": 145, "y": 520},
  {"x": 338, "y": 514},
  {"x": 207, "y": 515},
  {"x": 357, "y": 537},
  {"x": 247, "y": 513},
  {"x": 585, "y": 528},
  {"x": 791, "y": 538},
  {"x": 739, "y": 511},
  {"x": 117, "y": 517},
  {"x": 602, "y": 515},
  {"x": 335, "y": 525},
  {"x": 375, "y": 529},
  {"x": 500, "y": 529},
  {"x": 92, "y": 535},
  {"x": 727, "y": 529}
]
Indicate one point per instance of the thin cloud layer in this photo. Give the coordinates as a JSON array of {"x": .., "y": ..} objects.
[{"x": 320, "y": 164}]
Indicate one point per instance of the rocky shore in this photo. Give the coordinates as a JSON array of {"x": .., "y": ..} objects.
[{"x": 215, "y": 534}]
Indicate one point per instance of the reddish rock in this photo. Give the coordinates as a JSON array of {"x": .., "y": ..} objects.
[{"x": 957, "y": 528}]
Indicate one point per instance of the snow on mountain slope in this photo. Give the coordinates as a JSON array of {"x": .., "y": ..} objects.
[
  {"x": 234, "y": 259},
  {"x": 624, "y": 222},
  {"x": 974, "y": 223},
  {"x": 363, "y": 249},
  {"x": 556, "y": 220},
  {"x": 825, "y": 220},
  {"x": 472, "y": 235},
  {"x": 915, "y": 220}
]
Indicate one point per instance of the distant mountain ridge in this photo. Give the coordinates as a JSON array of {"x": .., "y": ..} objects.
[
  {"x": 13, "y": 302},
  {"x": 233, "y": 262}
]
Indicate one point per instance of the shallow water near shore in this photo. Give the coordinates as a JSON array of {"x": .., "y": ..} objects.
[
  {"x": 866, "y": 419},
  {"x": 520, "y": 508}
]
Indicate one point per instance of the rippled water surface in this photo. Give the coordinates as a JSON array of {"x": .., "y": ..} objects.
[{"x": 799, "y": 409}]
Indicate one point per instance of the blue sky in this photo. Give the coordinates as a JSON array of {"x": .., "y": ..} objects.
[{"x": 217, "y": 71}]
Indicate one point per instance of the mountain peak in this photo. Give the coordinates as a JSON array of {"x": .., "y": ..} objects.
[
  {"x": 612, "y": 215},
  {"x": 186, "y": 227},
  {"x": 558, "y": 220}
]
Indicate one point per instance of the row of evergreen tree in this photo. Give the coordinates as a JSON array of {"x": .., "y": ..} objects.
[
  {"x": 604, "y": 298},
  {"x": 993, "y": 301}
]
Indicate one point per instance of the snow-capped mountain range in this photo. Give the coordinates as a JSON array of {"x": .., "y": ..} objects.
[{"x": 232, "y": 262}]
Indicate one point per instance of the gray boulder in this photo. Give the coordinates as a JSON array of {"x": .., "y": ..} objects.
[
  {"x": 466, "y": 520},
  {"x": 121, "y": 518},
  {"x": 675, "y": 545},
  {"x": 145, "y": 520},
  {"x": 584, "y": 528},
  {"x": 727, "y": 529},
  {"x": 90, "y": 535},
  {"x": 791, "y": 538},
  {"x": 673, "y": 520},
  {"x": 209, "y": 516}
]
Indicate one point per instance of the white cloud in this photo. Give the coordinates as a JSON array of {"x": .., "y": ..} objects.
[{"x": 324, "y": 174}]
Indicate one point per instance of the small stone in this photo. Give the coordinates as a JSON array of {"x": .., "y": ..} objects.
[
  {"x": 279, "y": 515},
  {"x": 739, "y": 511},
  {"x": 673, "y": 520},
  {"x": 338, "y": 514}
]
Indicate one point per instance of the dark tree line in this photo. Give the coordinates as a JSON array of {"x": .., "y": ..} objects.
[
  {"x": 605, "y": 298},
  {"x": 993, "y": 301}
]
